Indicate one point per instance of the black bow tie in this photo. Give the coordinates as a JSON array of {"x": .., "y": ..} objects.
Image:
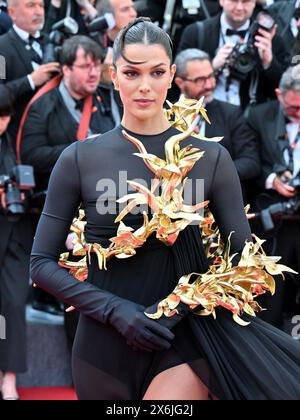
[
  {"x": 231, "y": 32},
  {"x": 32, "y": 39},
  {"x": 79, "y": 103}
]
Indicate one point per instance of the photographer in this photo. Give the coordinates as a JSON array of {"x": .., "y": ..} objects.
[
  {"x": 22, "y": 47},
  {"x": 195, "y": 79},
  {"x": 277, "y": 125},
  {"x": 259, "y": 70},
  {"x": 80, "y": 10},
  {"x": 15, "y": 245},
  {"x": 287, "y": 16},
  {"x": 123, "y": 12},
  {"x": 53, "y": 121},
  {"x": 117, "y": 13}
]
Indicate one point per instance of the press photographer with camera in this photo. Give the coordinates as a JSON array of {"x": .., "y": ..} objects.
[
  {"x": 15, "y": 245},
  {"x": 113, "y": 15},
  {"x": 22, "y": 47},
  {"x": 122, "y": 11},
  {"x": 78, "y": 107},
  {"x": 248, "y": 56},
  {"x": 277, "y": 125},
  {"x": 195, "y": 79},
  {"x": 287, "y": 16},
  {"x": 81, "y": 11}
]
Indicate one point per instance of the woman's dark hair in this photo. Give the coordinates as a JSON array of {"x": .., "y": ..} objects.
[
  {"x": 70, "y": 47},
  {"x": 141, "y": 31},
  {"x": 6, "y": 101}
]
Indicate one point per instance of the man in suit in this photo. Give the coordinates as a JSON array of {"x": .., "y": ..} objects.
[
  {"x": 22, "y": 48},
  {"x": 218, "y": 36},
  {"x": 80, "y": 10},
  {"x": 287, "y": 16},
  {"x": 277, "y": 125},
  {"x": 195, "y": 79},
  {"x": 53, "y": 120}
]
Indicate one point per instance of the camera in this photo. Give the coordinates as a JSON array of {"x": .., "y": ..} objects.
[
  {"x": 244, "y": 56},
  {"x": 295, "y": 183},
  {"x": 60, "y": 31},
  {"x": 21, "y": 179},
  {"x": 102, "y": 24},
  {"x": 272, "y": 207}
]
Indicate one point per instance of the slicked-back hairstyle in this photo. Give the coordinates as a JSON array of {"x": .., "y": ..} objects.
[
  {"x": 70, "y": 47},
  {"x": 141, "y": 31},
  {"x": 6, "y": 101}
]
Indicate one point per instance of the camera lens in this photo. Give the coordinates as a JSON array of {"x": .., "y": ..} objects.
[{"x": 14, "y": 202}]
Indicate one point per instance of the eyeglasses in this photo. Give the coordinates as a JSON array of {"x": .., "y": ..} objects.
[
  {"x": 200, "y": 80},
  {"x": 87, "y": 68}
]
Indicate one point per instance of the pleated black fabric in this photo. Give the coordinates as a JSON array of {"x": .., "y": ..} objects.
[{"x": 257, "y": 362}]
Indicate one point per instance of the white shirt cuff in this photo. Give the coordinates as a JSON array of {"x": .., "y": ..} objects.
[
  {"x": 32, "y": 85},
  {"x": 270, "y": 180}
]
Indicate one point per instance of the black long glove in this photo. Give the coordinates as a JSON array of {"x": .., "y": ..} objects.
[
  {"x": 169, "y": 322},
  {"x": 139, "y": 331},
  {"x": 126, "y": 316}
]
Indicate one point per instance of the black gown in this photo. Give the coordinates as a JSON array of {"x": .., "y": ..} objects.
[{"x": 254, "y": 362}]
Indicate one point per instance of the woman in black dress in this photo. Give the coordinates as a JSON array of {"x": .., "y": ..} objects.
[{"x": 119, "y": 353}]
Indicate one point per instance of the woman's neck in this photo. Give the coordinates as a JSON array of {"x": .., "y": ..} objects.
[{"x": 147, "y": 127}]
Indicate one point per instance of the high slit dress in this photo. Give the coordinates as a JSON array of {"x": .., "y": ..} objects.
[{"x": 257, "y": 362}]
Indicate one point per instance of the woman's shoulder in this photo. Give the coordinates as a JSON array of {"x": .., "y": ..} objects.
[
  {"x": 98, "y": 141},
  {"x": 101, "y": 138}
]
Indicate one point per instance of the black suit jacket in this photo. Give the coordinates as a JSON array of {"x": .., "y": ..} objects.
[
  {"x": 268, "y": 121},
  {"x": 50, "y": 128},
  {"x": 5, "y": 22},
  {"x": 18, "y": 66},
  {"x": 228, "y": 121},
  {"x": 269, "y": 79},
  {"x": 283, "y": 12}
]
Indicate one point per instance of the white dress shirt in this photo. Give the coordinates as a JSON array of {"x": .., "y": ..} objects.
[
  {"x": 233, "y": 94},
  {"x": 35, "y": 45},
  {"x": 292, "y": 131}
]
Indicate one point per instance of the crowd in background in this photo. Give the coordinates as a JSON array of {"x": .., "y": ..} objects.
[{"x": 242, "y": 56}]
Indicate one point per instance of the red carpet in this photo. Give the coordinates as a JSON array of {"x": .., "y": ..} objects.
[{"x": 38, "y": 394}]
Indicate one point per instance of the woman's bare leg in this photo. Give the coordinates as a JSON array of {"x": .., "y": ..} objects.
[{"x": 177, "y": 383}]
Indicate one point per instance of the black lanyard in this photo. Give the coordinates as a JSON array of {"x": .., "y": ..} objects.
[{"x": 290, "y": 148}]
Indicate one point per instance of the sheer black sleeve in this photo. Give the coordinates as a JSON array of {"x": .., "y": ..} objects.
[
  {"x": 63, "y": 199},
  {"x": 226, "y": 202}
]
